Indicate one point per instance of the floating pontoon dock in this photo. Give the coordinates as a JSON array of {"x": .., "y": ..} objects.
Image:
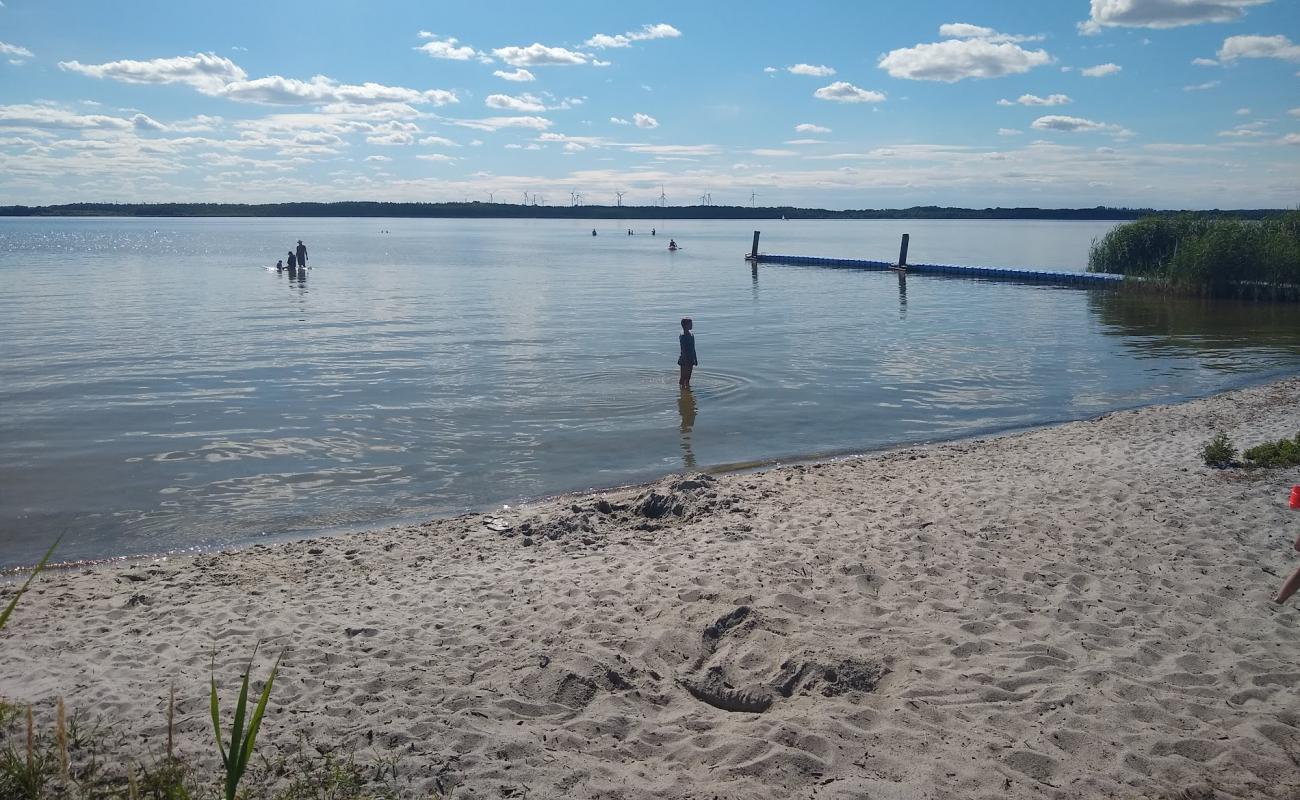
[{"x": 995, "y": 273}]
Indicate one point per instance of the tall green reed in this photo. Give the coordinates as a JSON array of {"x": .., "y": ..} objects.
[{"x": 235, "y": 758}]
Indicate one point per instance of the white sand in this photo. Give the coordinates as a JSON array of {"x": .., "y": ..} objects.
[{"x": 1078, "y": 611}]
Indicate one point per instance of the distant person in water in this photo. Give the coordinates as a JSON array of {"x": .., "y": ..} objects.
[
  {"x": 672, "y": 244},
  {"x": 279, "y": 265},
  {"x": 687, "y": 360},
  {"x": 293, "y": 263},
  {"x": 302, "y": 254},
  {"x": 593, "y": 231},
  {"x": 652, "y": 231}
]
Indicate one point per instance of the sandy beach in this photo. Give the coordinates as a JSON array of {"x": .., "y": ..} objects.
[{"x": 1077, "y": 611}]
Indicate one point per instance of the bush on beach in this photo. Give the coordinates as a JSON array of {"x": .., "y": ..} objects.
[{"x": 1217, "y": 257}]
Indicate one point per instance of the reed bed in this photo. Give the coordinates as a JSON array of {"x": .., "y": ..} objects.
[{"x": 1217, "y": 257}]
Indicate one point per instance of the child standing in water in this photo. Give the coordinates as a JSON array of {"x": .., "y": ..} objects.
[{"x": 687, "y": 360}]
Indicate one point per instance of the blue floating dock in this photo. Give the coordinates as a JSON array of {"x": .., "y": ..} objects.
[{"x": 995, "y": 273}]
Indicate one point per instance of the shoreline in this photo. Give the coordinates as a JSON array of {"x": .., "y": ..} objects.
[
  {"x": 13, "y": 574},
  {"x": 1068, "y": 611}
]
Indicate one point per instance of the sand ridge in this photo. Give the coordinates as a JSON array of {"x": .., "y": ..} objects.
[{"x": 1076, "y": 611}]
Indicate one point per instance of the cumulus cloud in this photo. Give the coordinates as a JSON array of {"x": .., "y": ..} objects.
[
  {"x": 539, "y": 55},
  {"x": 662, "y": 30},
  {"x": 1058, "y": 122},
  {"x": 523, "y": 103},
  {"x": 844, "y": 92},
  {"x": 207, "y": 72},
  {"x": 814, "y": 70},
  {"x": 144, "y": 122},
  {"x": 378, "y": 159},
  {"x": 1295, "y": 112},
  {"x": 970, "y": 52},
  {"x": 1101, "y": 70},
  {"x": 1235, "y": 47},
  {"x": 16, "y": 54},
  {"x": 445, "y": 48},
  {"x": 644, "y": 121},
  {"x": 1204, "y": 62},
  {"x": 1291, "y": 139},
  {"x": 620, "y": 121},
  {"x": 393, "y": 138},
  {"x": 1201, "y": 87},
  {"x": 218, "y": 76},
  {"x": 808, "y": 127},
  {"x": 520, "y": 75},
  {"x": 437, "y": 157},
  {"x": 438, "y": 140},
  {"x": 49, "y": 117},
  {"x": 278, "y": 90},
  {"x": 1035, "y": 100},
  {"x": 771, "y": 70},
  {"x": 1162, "y": 13}
]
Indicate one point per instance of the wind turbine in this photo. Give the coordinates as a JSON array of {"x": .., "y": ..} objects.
[
  {"x": 619, "y": 195},
  {"x": 663, "y": 198},
  {"x": 525, "y": 197},
  {"x": 753, "y": 196}
]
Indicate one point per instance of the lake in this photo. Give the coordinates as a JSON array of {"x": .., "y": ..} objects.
[{"x": 160, "y": 390}]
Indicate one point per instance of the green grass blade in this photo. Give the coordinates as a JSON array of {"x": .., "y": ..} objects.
[
  {"x": 256, "y": 722},
  {"x": 216, "y": 718},
  {"x": 13, "y": 603},
  {"x": 237, "y": 732}
]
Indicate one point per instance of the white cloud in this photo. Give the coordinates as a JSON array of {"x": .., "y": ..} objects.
[
  {"x": 1235, "y": 47},
  {"x": 1295, "y": 112},
  {"x": 438, "y": 140},
  {"x": 644, "y": 121},
  {"x": 520, "y": 75},
  {"x": 33, "y": 116},
  {"x": 144, "y": 122},
  {"x": 844, "y": 92},
  {"x": 539, "y": 55},
  {"x": 395, "y": 138},
  {"x": 1201, "y": 87},
  {"x": 522, "y": 104},
  {"x": 808, "y": 127},
  {"x": 771, "y": 70},
  {"x": 620, "y": 121},
  {"x": 1162, "y": 13},
  {"x": 17, "y": 55},
  {"x": 1291, "y": 139},
  {"x": 438, "y": 157},
  {"x": 1242, "y": 112},
  {"x": 278, "y": 90},
  {"x": 1058, "y": 122},
  {"x": 573, "y": 147},
  {"x": 1035, "y": 100},
  {"x": 662, "y": 30},
  {"x": 497, "y": 123},
  {"x": 964, "y": 30},
  {"x": 207, "y": 72},
  {"x": 975, "y": 52},
  {"x": 1009, "y": 132},
  {"x": 1101, "y": 70},
  {"x": 816, "y": 71},
  {"x": 805, "y": 141},
  {"x": 378, "y": 159},
  {"x": 771, "y": 153},
  {"x": 218, "y": 76},
  {"x": 596, "y": 62},
  {"x": 1204, "y": 62},
  {"x": 445, "y": 48}
]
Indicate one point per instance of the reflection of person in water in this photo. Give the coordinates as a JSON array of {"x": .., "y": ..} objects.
[
  {"x": 688, "y": 361},
  {"x": 687, "y": 407}
]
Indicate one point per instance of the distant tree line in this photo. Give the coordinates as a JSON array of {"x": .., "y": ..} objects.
[{"x": 477, "y": 210}]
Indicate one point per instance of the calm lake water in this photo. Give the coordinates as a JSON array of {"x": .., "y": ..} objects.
[{"x": 160, "y": 390}]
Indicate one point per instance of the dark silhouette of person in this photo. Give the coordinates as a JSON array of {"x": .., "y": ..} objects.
[
  {"x": 652, "y": 231},
  {"x": 279, "y": 265},
  {"x": 293, "y": 264},
  {"x": 301, "y": 251},
  {"x": 688, "y": 361},
  {"x": 593, "y": 231}
]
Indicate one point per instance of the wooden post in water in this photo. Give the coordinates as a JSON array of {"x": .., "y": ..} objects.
[
  {"x": 753, "y": 252},
  {"x": 902, "y": 251}
]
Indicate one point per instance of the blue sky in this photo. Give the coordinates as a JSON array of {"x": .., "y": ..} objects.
[{"x": 1167, "y": 103}]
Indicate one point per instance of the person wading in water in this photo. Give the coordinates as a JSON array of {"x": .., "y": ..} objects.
[{"x": 687, "y": 360}]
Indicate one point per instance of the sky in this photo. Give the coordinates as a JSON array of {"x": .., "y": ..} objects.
[{"x": 1049, "y": 103}]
